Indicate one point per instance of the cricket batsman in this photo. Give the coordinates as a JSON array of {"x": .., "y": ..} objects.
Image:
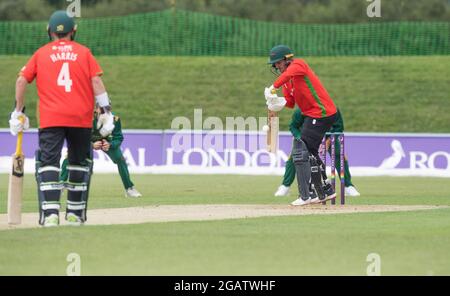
[
  {"x": 68, "y": 83},
  {"x": 295, "y": 127},
  {"x": 111, "y": 146},
  {"x": 302, "y": 87}
]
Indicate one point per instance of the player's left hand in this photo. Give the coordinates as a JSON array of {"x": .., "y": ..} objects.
[
  {"x": 105, "y": 123},
  {"x": 16, "y": 125},
  {"x": 105, "y": 145},
  {"x": 268, "y": 93}
]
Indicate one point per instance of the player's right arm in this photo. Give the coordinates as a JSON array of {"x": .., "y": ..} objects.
[
  {"x": 105, "y": 122},
  {"x": 21, "y": 87},
  {"x": 26, "y": 75},
  {"x": 98, "y": 86},
  {"x": 295, "y": 69},
  {"x": 290, "y": 102}
]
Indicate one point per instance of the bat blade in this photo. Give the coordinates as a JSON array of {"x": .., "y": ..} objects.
[
  {"x": 272, "y": 133},
  {"x": 15, "y": 190},
  {"x": 268, "y": 135}
]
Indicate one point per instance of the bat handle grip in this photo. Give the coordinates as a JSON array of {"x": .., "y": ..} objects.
[{"x": 20, "y": 138}]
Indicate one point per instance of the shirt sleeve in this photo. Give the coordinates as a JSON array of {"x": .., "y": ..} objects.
[
  {"x": 94, "y": 67},
  {"x": 117, "y": 136},
  {"x": 30, "y": 69},
  {"x": 295, "y": 69},
  {"x": 290, "y": 102}
]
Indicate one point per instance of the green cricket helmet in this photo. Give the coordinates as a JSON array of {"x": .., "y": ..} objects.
[
  {"x": 279, "y": 53},
  {"x": 61, "y": 22}
]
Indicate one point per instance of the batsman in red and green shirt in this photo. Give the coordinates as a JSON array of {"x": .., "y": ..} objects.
[
  {"x": 295, "y": 126},
  {"x": 302, "y": 87}
]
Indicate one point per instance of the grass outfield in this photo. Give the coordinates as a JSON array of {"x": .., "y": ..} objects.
[
  {"x": 411, "y": 93},
  {"x": 409, "y": 243}
]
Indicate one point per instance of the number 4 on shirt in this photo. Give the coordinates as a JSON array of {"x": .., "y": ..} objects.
[{"x": 64, "y": 77}]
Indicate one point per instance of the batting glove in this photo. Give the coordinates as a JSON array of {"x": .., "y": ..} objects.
[
  {"x": 268, "y": 93},
  {"x": 276, "y": 104},
  {"x": 105, "y": 123},
  {"x": 18, "y": 122}
]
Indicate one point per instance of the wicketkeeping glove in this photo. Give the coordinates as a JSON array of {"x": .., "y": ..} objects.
[
  {"x": 15, "y": 124},
  {"x": 105, "y": 123}
]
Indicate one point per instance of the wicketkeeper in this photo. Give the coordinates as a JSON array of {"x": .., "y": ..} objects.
[
  {"x": 111, "y": 146},
  {"x": 302, "y": 87},
  {"x": 68, "y": 84},
  {"x": 295, "y": 127}
]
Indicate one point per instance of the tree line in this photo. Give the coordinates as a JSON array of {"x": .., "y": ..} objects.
[{"x": 292, "y": 11}]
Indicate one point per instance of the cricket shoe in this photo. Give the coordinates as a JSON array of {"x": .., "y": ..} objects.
[
  {"x": 51, "y": 220},
  {"x": 351, "y": 191},
  {"x": 282, "y": 191},
  {"x": 313, "y": 195},
  {"x": 132, "y": 192},
  {"x": 73, "y": 220},
  {"x": 301, "y": 202},
  {"x": 329, "y": 192},
  {"x": 314, "y": 198}
]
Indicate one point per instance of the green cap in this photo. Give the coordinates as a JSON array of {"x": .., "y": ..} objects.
[
  {"x": 60, "y": 22},
  {"x": 278, "y": 53}
]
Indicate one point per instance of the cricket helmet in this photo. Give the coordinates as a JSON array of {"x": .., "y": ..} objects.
[
  {"x": 279, "y": 53},
  {"x": 61, "y": 22}
]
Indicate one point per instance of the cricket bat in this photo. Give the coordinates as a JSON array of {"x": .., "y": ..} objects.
[
  {"x": 15, "y": 187},
  {"x": 272, "y": 133}
]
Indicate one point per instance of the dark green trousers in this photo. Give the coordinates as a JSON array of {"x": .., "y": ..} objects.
[
  {"x": 289, "y": 171},
  {"x": 117, "y": 157}
]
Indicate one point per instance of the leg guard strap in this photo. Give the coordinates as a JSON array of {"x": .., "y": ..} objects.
[
  {"x": 50, "y": 205},
  {"x": 48, "y": 188},
  {"x": 78, "y": 190},
  {"x": 316, "y": 177}
]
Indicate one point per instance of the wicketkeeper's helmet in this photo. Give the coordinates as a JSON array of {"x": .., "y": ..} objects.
[
  {"x": 279, "y": 53},
  {"x": 61, "y": 22}
]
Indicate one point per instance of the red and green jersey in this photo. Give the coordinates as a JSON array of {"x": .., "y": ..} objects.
[
  {"x": 63, "y": 72},
  {"x": 301, "y": 86}
]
